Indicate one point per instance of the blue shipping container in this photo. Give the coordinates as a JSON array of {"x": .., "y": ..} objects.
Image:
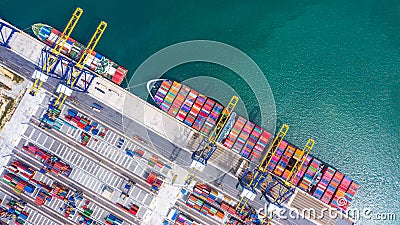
[{"x": 87, "y": 128}]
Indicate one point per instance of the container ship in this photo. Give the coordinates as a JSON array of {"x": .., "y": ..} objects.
[
  {"x": 73, "y": 49},
  {"x": 249, "y": 140}
]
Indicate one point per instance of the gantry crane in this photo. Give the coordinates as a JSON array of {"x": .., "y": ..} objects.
[
  {"x": 251, "y": 180},
  {"x": 207, "y": 146},
  {"x": 65, "y": 89},
  {"x": 42, "y": 75},
  {"x": 288, "y": 184}
]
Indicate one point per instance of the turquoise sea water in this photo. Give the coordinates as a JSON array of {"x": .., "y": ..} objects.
[{"x": 333, "y": 67}]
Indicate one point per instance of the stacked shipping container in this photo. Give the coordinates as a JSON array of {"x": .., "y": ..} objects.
[
  {"x": 162, "y": 92},
  {"x": 307, "y": 179},
  {"x": 18, "y": 184},
  {"x": 194, "y": 111},
  {"x": 323, "y": 183},
  {"x": 203, "y": 200},
  {"x": 247, "y": 139},
  {"x": 188, "y": 106},
  {"x": 234, "y": 133},
  {"x": 204, "y": 112},
  {"x": 176, "y": 105},
  {"x": 241, "y": 140},
  {"x": 169, "y": 98},
  {"x": 333, "y": 184},
  {"x": 340, "y": 195},
  {"x": 212, "y": 119},
  {"x": 276, "y": 156},
  {"x": 184, "y": 220},
  {"x": 283, "y": 163}
]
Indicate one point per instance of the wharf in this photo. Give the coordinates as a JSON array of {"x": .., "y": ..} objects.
[{"x": 135, "y": 119}]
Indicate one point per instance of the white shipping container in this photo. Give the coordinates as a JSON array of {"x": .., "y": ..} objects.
[
  {"x": 111, "y": 70},
  {"x": 53, "y": 37}
]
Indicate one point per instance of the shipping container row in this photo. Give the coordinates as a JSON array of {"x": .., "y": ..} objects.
[
  {"x": 73, "y": 49},
  {"x": 251, "y": 141},
  {"x": 188, "y": 106},
  {"x": 204, "y": 200},
  {"x": 185, "y": 220}
]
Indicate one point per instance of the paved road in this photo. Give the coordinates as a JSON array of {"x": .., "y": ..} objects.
[
  {"x": 115, "y": 120},
  {"x": 94, "y": 197},
  {"x": 95, "y": 157}
]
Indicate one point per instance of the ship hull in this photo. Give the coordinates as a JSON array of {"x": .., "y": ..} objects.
[
  {"x": 251, "y": 142},
  {"x": 73, "y": 49}
]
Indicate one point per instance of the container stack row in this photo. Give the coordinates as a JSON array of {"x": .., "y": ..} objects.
[
  {"x": 340, "y": 199},
  {"x": 212, "y": 118},
  {"x": 228, "y": 208},
  {"x": 184, "y": 220},
  {"x": 19, "y": 185},
  {"x": 113, "y": 220},
  {"x": 194, "y": 111},
  {"x": 251, "y": 142},
  {"x": 261, "y": 144},
  {"x": 162, "y": 92},
  {"x": 247, "y": 139},
  {"x": 169, "y": 98},
  {"x": 322, "y": 185},
  {"x": 296, "y": 157},
  {"x": 179, "y": 99},
  {"x": 74, "y": 120},
  {"x": 308, "y": 177},
  {"x": 15, "y": 209},
  {"x": 57, "y": 167},
  {"x": 73, "y": 49},
  {"x": 23, "y": 170},
  {"x": 188, "y": 106},
  {"x": 276, "y": 158},
  {"x": 283, "y": 163},
  {"x": 204, "y": 112},
  {"x": 59, "y": 191},
  {"x": 333, "y": 185},
  {"x": 234, "y": 133},
  {"x": 204, "y": 200},
  {"x": 351, "y": 191},
  {"x": 241, "y": 140},
  {"x": 302, "y": 170},
  {"x": 41, "y": 197}
]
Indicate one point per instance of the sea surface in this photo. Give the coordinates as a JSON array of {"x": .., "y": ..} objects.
[{"x": 333, "y": 67}]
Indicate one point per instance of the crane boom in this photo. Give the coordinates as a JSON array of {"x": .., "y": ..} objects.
[
  {"x": 212, "y": 138},
  {"x": 67, "y": 31},
  {"x": 80, "y": 64},
  {"x": 206, "y": 148},
  {"x": 289, "y": 181},
  {"x": 55, "y": 52},
  {"x": 259, "y": 173}
]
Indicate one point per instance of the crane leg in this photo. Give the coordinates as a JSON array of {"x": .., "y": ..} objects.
[
  {"x": 34, "y": 85},
  {"x": 62, "y": 102},
  {"x": 40, "y": 85}
]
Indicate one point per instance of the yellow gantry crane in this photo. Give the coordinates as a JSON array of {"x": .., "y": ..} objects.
[
  {"x": 207, "y": 147},
  {"x": 289, "y": 181},
  {"x": 65, "y": 90},
  {"x": 48, "y": 64},
  {"x": 259, "y": 174}
]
